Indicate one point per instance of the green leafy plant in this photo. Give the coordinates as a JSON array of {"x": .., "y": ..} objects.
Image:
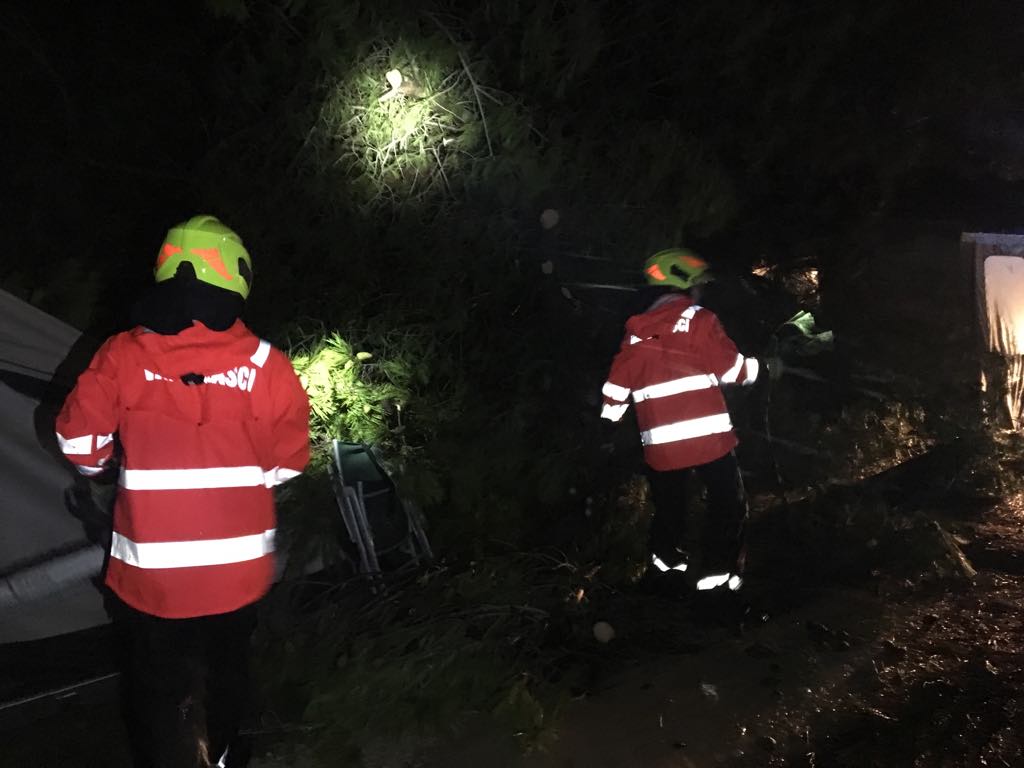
[
  {"x": 489, "y": 637},
  {"x": 350, "y": 397}
]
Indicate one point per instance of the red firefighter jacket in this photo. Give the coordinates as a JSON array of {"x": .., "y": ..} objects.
[
  {"x": 672, "y": 362},
  {"x": 209, "y": 422}
]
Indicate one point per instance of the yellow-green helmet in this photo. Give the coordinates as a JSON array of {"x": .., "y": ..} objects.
[
  {"x": 214, "y": 251},
  {"x": 677, "y": 267}
]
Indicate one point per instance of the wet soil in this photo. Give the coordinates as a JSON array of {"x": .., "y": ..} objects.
[{"x": 880, "y": 675}]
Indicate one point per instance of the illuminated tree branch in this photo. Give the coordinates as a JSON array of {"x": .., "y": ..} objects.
[{"x": 472, "y": 81}]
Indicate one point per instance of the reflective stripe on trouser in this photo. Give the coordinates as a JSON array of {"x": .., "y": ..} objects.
[
  {"x": 191, "y": 554},
  {"x": 662, "y": 566},
  {"x": 715, "y": 580},
  {"x": 722, "y": 543}
]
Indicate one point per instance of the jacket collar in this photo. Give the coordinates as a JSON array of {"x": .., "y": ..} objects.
[{"x": 669, "y": 298}]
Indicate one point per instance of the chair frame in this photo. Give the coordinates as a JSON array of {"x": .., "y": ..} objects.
[{"x": 351, "y": 499}]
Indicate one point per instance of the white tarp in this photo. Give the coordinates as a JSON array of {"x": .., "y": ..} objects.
[
  {"x": 1004, "y": 300},
  {"x": 45, "y": 556},
  {"x": 999, "y": 275}
]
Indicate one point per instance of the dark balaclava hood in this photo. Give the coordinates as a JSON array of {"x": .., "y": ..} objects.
[
  {"x": 169, "y": 307},
  {"x": 647, "y": 295}
]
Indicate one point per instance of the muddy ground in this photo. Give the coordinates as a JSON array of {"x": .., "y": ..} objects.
[
  {"x": 883, "y": 674},
  {"x": 890, "y": 675}
]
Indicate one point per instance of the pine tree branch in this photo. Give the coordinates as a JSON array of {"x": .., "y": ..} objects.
[{"x": 472, "y": 81}]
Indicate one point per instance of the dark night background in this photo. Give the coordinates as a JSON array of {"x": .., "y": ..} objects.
[
  {"x": 855, "y": 139},
  {"x": 123, "y": 118}
]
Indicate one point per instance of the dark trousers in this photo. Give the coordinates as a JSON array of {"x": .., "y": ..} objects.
[
  {"x": 187, "y": 686},
  {"x": 723, "y": 539}
]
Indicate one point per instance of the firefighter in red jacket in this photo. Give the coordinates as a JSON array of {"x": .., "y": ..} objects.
[
  {"x": 673, "y": 361},
  {"x": 206, "y": 419}
]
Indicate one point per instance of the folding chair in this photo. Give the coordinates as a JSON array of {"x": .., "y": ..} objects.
[{"x": 377, "y": 519}]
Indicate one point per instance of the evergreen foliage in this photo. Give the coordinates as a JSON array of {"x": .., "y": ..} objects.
[
  {"x": 427, "y": 654},
  {"x": 344, "y": 400},
  {"x": 451, "y": 327}
]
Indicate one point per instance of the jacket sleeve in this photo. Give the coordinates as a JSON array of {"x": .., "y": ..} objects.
[
  {"x": 616, "y": 390},
  {"x": 723, "y": 359},
  {"x": 290, "y": 417},
  {"x": 89, "y": 418}
]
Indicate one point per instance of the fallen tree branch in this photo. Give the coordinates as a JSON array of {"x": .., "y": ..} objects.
[{"x": 472, "y": 81}]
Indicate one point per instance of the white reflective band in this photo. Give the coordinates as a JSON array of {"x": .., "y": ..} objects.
[
  {"x": 662, "y": 566},
  {"x": 190, "y": 554},
  {"x": 711, "y": 582},
  {"x": 183, "y": 479},
  {"x": 150, "y": 376},
  {"x": 735, "y": 582},
  {"x": 634, "y": 339},
  {"x": 278, "y": 475},
  {"x": 614, "y": 391},
  {"x": 103, "y": 440},
  {"x": 687, "y": 430},
  {"x": 683, "y": 323},
  {"x": 75, "y": 446},
  {"x": 89, "y": 471},
  {"x": 614, "y": 412},
  {"x": 753, "y": 369},
  {"x": 259, "y": 358},
  {"x": 730, "y": 376},
  {"x": 674, "y": 387}
]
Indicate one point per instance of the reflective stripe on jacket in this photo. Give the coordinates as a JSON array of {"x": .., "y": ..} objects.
[
  {"x": 672, "y": 363},
  {"x": 209, "y": 422}
]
